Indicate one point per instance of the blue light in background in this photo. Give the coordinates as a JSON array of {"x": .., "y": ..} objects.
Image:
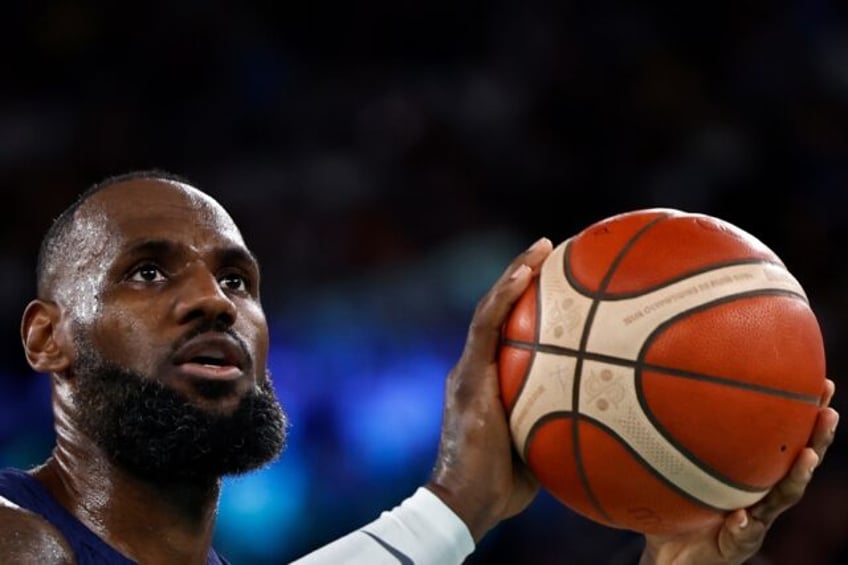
[
  {"x": 396, "y": 418},
  {"x": 259, "y": 515},
  {"x": 26, "y": 420}
]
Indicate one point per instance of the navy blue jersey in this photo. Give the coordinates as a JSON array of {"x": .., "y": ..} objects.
[{"x": 27, "y": 492}]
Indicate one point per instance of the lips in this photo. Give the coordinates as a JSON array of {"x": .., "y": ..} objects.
[{"x": 212, "y": 356}]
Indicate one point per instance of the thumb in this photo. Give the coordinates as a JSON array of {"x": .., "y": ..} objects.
[{"x": 740, "y": 536}]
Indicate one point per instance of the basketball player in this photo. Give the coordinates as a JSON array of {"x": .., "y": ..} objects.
[{"x": 148, "y": 321}]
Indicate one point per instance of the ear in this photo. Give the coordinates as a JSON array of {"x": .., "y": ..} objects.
[{"x": 42, "y": 337}]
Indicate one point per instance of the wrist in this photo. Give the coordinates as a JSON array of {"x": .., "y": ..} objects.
[{"x": 476, "y": 516}]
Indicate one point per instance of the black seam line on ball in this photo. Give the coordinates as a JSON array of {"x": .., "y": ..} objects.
[
  {"x": 670, "y": 371},
  {"x": 584, "y": 338}
]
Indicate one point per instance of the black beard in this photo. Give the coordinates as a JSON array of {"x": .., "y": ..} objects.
[{"x": 156, "y": 433}]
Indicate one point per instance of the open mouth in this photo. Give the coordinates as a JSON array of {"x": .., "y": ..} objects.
[
  {"x": 209, "y": 361},
  {"x": 212, "y": 356},
  {"x": 210, "y": 371}
]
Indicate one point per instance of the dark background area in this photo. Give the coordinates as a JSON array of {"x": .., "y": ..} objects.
[{"x": 385, "y": 161}]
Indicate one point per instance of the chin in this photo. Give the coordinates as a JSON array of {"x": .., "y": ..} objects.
[{"x": 216, "y": 396}]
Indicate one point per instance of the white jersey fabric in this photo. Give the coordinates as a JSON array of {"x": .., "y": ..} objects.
[{"x": 422, "y": 530}]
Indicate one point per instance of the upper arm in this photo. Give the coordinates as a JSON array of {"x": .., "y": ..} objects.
[{"x": 26, "y": 537}]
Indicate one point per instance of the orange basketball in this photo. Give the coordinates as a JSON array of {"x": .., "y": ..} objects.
[{"x": 664, "y": 368}]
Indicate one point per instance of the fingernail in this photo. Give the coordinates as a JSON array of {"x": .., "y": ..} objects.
[
  {"x": 811, "y": 470},
  {"x": 520, "y": 271},
  {"x": 744, "y": 523},
  {"x": 536, "y": 244}
]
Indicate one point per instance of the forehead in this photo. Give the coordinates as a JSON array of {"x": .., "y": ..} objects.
[{"x": 157, "y": 209}]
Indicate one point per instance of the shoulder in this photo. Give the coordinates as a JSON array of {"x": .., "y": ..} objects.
[{"x": 26, "y": 537}]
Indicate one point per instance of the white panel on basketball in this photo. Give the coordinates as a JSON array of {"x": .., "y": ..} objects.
[
  {"x": 547, "y": 389},
  {"x": 627, "y": 323},
  {"x": 564, "y": 316},
  {"x": 608, "y": 395}
]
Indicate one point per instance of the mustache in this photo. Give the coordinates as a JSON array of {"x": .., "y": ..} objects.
[{"x": 214, "y": 326}]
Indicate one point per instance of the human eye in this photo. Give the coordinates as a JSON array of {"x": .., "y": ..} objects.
[
  {"x": 146, "y": 273},
  {"x": 234, "y": 282}
]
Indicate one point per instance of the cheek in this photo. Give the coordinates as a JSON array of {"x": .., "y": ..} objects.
[
  {"x": 128, "y": 339},
  {"x": 253, "y": 327}
]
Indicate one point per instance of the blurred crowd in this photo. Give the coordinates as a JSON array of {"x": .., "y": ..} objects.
[{"x": 386, "y": 159}]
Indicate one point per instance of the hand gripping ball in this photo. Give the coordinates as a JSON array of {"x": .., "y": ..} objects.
[{"x": 664, "y": 368}]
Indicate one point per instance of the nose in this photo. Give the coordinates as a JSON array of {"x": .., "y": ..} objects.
[{"x": 201, "y": 297}]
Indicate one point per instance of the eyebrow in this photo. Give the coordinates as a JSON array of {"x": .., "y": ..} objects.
[
  {"x": 150, "y": 247},
  {"x": 163, "y": 247}
]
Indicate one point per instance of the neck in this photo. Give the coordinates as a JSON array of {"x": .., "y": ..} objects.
[{"x": 147, "y": 521}]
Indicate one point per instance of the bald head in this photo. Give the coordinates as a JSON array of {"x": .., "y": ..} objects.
[
  {"x": 76, "y": 249},
  {"x": 54, "y": 250}
]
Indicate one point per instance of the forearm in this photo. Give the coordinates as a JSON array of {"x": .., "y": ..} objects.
[{"x": 421, "y": 530}]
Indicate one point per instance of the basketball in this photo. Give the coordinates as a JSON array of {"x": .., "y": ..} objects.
[{"x": 664, "y": 368}]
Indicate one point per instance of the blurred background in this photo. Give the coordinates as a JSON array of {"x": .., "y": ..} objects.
[{"x": 385, "y": 161}]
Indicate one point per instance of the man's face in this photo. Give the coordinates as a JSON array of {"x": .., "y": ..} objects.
[{"x": 162, "y": 292}]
